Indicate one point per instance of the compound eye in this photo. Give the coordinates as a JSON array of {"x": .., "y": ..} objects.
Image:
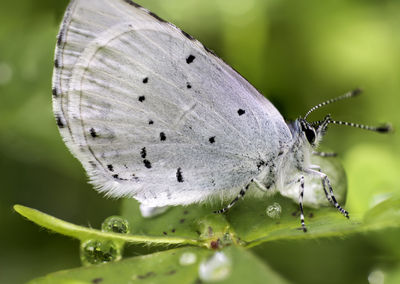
[{"x": 310, "y": 134}]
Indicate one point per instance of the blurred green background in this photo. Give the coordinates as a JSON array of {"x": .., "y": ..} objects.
[{"x": 297, "y": 53}]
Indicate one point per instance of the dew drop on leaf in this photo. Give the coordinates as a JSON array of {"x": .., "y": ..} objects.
[
  {"x": 216, "y": 268},
  {"x": 116, "y": 224},
  {"x": 149, "y": 212},
  {"x": 376, "y": 277},
  {"x": 96, "y": 252},
  {"x": 274, "y": 211},
  {"x": 187, "y": 258}
]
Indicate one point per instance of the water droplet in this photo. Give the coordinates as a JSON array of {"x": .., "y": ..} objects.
[
  {"x": 274, "y": 211},
  {"x": 216, "y": 268},
  {"x": 149, "y": 212},
  {"x": 187, "y": 258},
  {"x": 376, "y": 277},
  {"x": 116, "y": 224},
  {"x": 95, "y": 252}
]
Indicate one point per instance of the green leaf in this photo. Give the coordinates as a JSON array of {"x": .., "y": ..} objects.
[
  {"x": 162, "y": 267},
  {"x": 195, "y": 222},
  {"x": 83, "y": 233},
  {"x": 170, "y": 267}
]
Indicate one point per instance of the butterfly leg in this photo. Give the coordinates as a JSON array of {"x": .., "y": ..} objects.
[
  {"x": 315, "y": 167},
  {"x": 330, "y": 196},
  {"x": 233, "y": 202},
  {"x": 324, "y": 154},
  {"x": 301, "y": 181},
  {"x": 260, "y": 185}
]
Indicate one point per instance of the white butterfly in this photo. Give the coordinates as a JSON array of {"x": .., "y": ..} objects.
[{"x": 153, "y": 114}]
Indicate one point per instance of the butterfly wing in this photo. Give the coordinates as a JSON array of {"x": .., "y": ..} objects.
[{"x": 151, "y": 113}]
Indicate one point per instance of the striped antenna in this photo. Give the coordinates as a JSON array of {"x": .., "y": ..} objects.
[
  {"x": 348, "y": 95},
  {"x": 385, "y": 128}
]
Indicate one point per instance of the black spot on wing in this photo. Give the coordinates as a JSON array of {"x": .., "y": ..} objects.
[
  {"x": 157, "y": 17},
  {"x": 60, "y": 38},
  {"x": 241, "y": 111},
  {"x": 143, "y": 153},
  {"x": 260, "y": 164},
  {"x": 141, "y": 99},
  {"x": 162, "y": 136},
  {"x": 151, "y": 122},
  {"x": 179, "y": 176},
  {"x": 187, "y": 35},
  {"x": 55, "y": 93},
  {"x": 93, "y": 133},
  {"x": 190, "y": 59},
  {"x": 188, "y": 85},
  {"x": 118, "y": 178},
  {"x": 209, "y": 50},
  {"x": 133, "y": 3},
  {"x": 147, "y": 164},
  {"x": 110, "y": 167},
  {"x": 211, "y": 139},
  {"x": 145, "y": 80},
  {"x": 59, "y": 121}
]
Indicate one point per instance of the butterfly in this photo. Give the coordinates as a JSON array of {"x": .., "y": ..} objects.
[{"x": 153, "y": 114}]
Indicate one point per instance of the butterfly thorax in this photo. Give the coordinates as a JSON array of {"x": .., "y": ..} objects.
[{"x": 297, "y": 156}]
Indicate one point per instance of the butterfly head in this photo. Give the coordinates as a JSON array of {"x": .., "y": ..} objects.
[{"x": 312, "y": 132}]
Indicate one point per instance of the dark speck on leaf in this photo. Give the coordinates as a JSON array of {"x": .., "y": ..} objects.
[
  {"x": 214, "y": 244},
  {"x": 97, "y": 280},
  {"x": 171, "y": 272},
  {"x": 182, "y": 221},
  {"x": 165, "y": 233},
  {"x": 147, "y": 275}
]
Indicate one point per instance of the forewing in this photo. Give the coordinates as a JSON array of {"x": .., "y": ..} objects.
[{"x": 151, "y": 113}]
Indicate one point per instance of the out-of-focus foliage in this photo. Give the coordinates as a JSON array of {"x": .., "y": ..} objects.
[{"x": 297, "y": 53}]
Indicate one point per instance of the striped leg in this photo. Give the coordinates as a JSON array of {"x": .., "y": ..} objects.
[
  {"x": 233, "y": 202},
  {"x": 303, "y": 226},
  {"x": 330, "y": 196},
  {"x": 334, "y": 202}
]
